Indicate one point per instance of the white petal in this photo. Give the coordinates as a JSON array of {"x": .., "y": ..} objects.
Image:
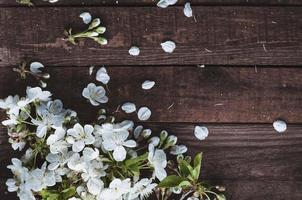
[
  {"x": 78, "y": 146},
  {"x": 147, "y": 85},
  {"x": 119, "y": 153},
  {"x": 162, "y": 4},
  {"x": 130, "y": 143},
  {"x": 168, "y": 46},
  {"x": 129, "y": 107},
  {"x": 144, "y": 113},
  {"x": 35, "y": 67},
  {"x": 134, "y": 51},
  {"x": 280, "y": 126},
  {"x": 95, "y": 186},
  {"x": 137, "y": 131},
  {"x": 86, "y": 17},
  {"x": 201, "y": 132},
  {"x": 188, "y": 10},
  {"x": 91, "y": 70},
  {"x": 160, "y": 173},
  {"x": 102, "y": 75}
]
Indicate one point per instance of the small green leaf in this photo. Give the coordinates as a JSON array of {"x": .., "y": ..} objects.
[
  {"x": 197, "y": 166},
  {"x": 220, "y": 197},
  {"x": 171, "y": 181},
  {"x": 185, "y": 184},
  {"x": 183, "y": 167},
  {"x": 68, "y": 193}
]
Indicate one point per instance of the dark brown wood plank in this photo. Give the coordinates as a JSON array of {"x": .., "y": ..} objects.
[
  {"x": 251, "y": 160},
  {"x": 236, "y": 190},
  {"x": 153, "y": 2},
  {"x": 211, "y": 94},
  {"x": 233, "y": 35}
]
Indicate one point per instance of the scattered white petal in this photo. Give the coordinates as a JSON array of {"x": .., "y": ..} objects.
[
  {"x": 35, "y": 67},
  {"x": 91, "y": 70},
  {"x": 86, "y": 17},
  {"x": 201, "y": 132},
  {"x": 144, "y": 113},
  {"x": 188, "y": 10},
  {"x": 147, "y": 85},
  {"x": 102, "y": 75},
  {"x": 134, "y": 51},
  {"x": 168, "y": 46},
  {"x": 280, "y": 126},
  {"x": 129, "y": 107},
  {"x": 166, "y": 3}
]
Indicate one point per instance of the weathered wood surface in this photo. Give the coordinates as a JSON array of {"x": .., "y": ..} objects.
[
  {"x": 221, "y": 35},
  {"x": 192, "y": 94},
  {"x": 153, "y": 2},
  {"x": 247, "y": 158}
]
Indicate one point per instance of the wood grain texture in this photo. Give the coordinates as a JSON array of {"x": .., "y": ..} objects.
[
  {"x": 237, "y": 190},
  {"x": 153, "y": 2},
  {"x": 222, "y": 35},
  {"x": 192, "y": 94},
  {"x": 251, "y": 160}
]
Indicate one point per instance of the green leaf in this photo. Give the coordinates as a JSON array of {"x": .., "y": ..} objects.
[
  {"x": 171, "y": 181},
  {"x": 197, "y": 166},
  {"x": 185, "y": 184},
  {"x": 183, "y": 167},
  {"x": 68, "y": 193},
  {"x": 136, "y": 160}
]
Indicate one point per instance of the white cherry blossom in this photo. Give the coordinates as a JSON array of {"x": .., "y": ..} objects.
[
  {"x": 95, "y": 94},
  {"x": 80, "y": 136},
  {"x": 102, "y": 76},
  {"x": 34, "y": 94},
  {"x": 158, "y": 160}
]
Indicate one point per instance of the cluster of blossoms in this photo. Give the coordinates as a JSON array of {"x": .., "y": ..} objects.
[{"x": 105, "y": 160}]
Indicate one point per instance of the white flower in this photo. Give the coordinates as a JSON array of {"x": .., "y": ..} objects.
[
  {"x": 10, "y": 104},
  {"x": 168, "y": 46},
  {"x": 166, "y": 3},
  {"x": 79, "y": 137},
  {"x": 154, "y": 141},
  {"x": 117, "y": 188},
  {"x": 147, "y": 85},
  {"x": 86, "y": 17},
  {"x": 95, "y": 94},
  {"x": 134, "y": 51},
  {"x": 142, "y": 189},
  {"x": 58, "y": 160},
  {"x": 35, "y": 67},
  {"x": 144, "y": 113},
  {"x": 56, "y": 141},
  {"x": 201, "y": 132},
  {"x": 280, "y": 126},
  {"x": 158, "y": 160},
  {"x": 95, "y": 185},
  {"x": 178, "y": 149},
  {"x": 188, "y": 10},
  {"x": 129, "y": 107},
  {"x": 102, "y": 75},
  {"x": 34, "y": 94},
  {"x": 115, "y": 140}
]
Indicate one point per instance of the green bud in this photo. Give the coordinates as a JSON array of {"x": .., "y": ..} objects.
[
  {"x": 101, "y": 40},
  {"x": 101, "y": 30},
  {"x": 172, "y": 140},
  {"x": 95, "y": 23},
  {"x": 92, "y": 34},
  {"x": 163, "y": 135}
]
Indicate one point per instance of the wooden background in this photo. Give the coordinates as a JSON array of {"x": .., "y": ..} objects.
[{"x": 252, "y": 50}]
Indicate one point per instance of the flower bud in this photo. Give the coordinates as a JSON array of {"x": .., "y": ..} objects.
[
  {"x": 46, "y": 75},
  {"x": 95, "y": 23},
  {"x": 43, "y": 84},
  {"x": 101, "y": 40},
  {"x": 101, "y": 30},
  {"x": 146, "y": 133},
  {"x": 172, "y": 140},
  {"x": 163, "y": 135}
]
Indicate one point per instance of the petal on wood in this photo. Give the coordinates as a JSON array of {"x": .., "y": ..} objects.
[{"x": 144, "y": 113}]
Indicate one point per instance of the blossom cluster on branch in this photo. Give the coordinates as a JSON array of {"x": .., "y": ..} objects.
[{"x": 65, "y": 159}]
